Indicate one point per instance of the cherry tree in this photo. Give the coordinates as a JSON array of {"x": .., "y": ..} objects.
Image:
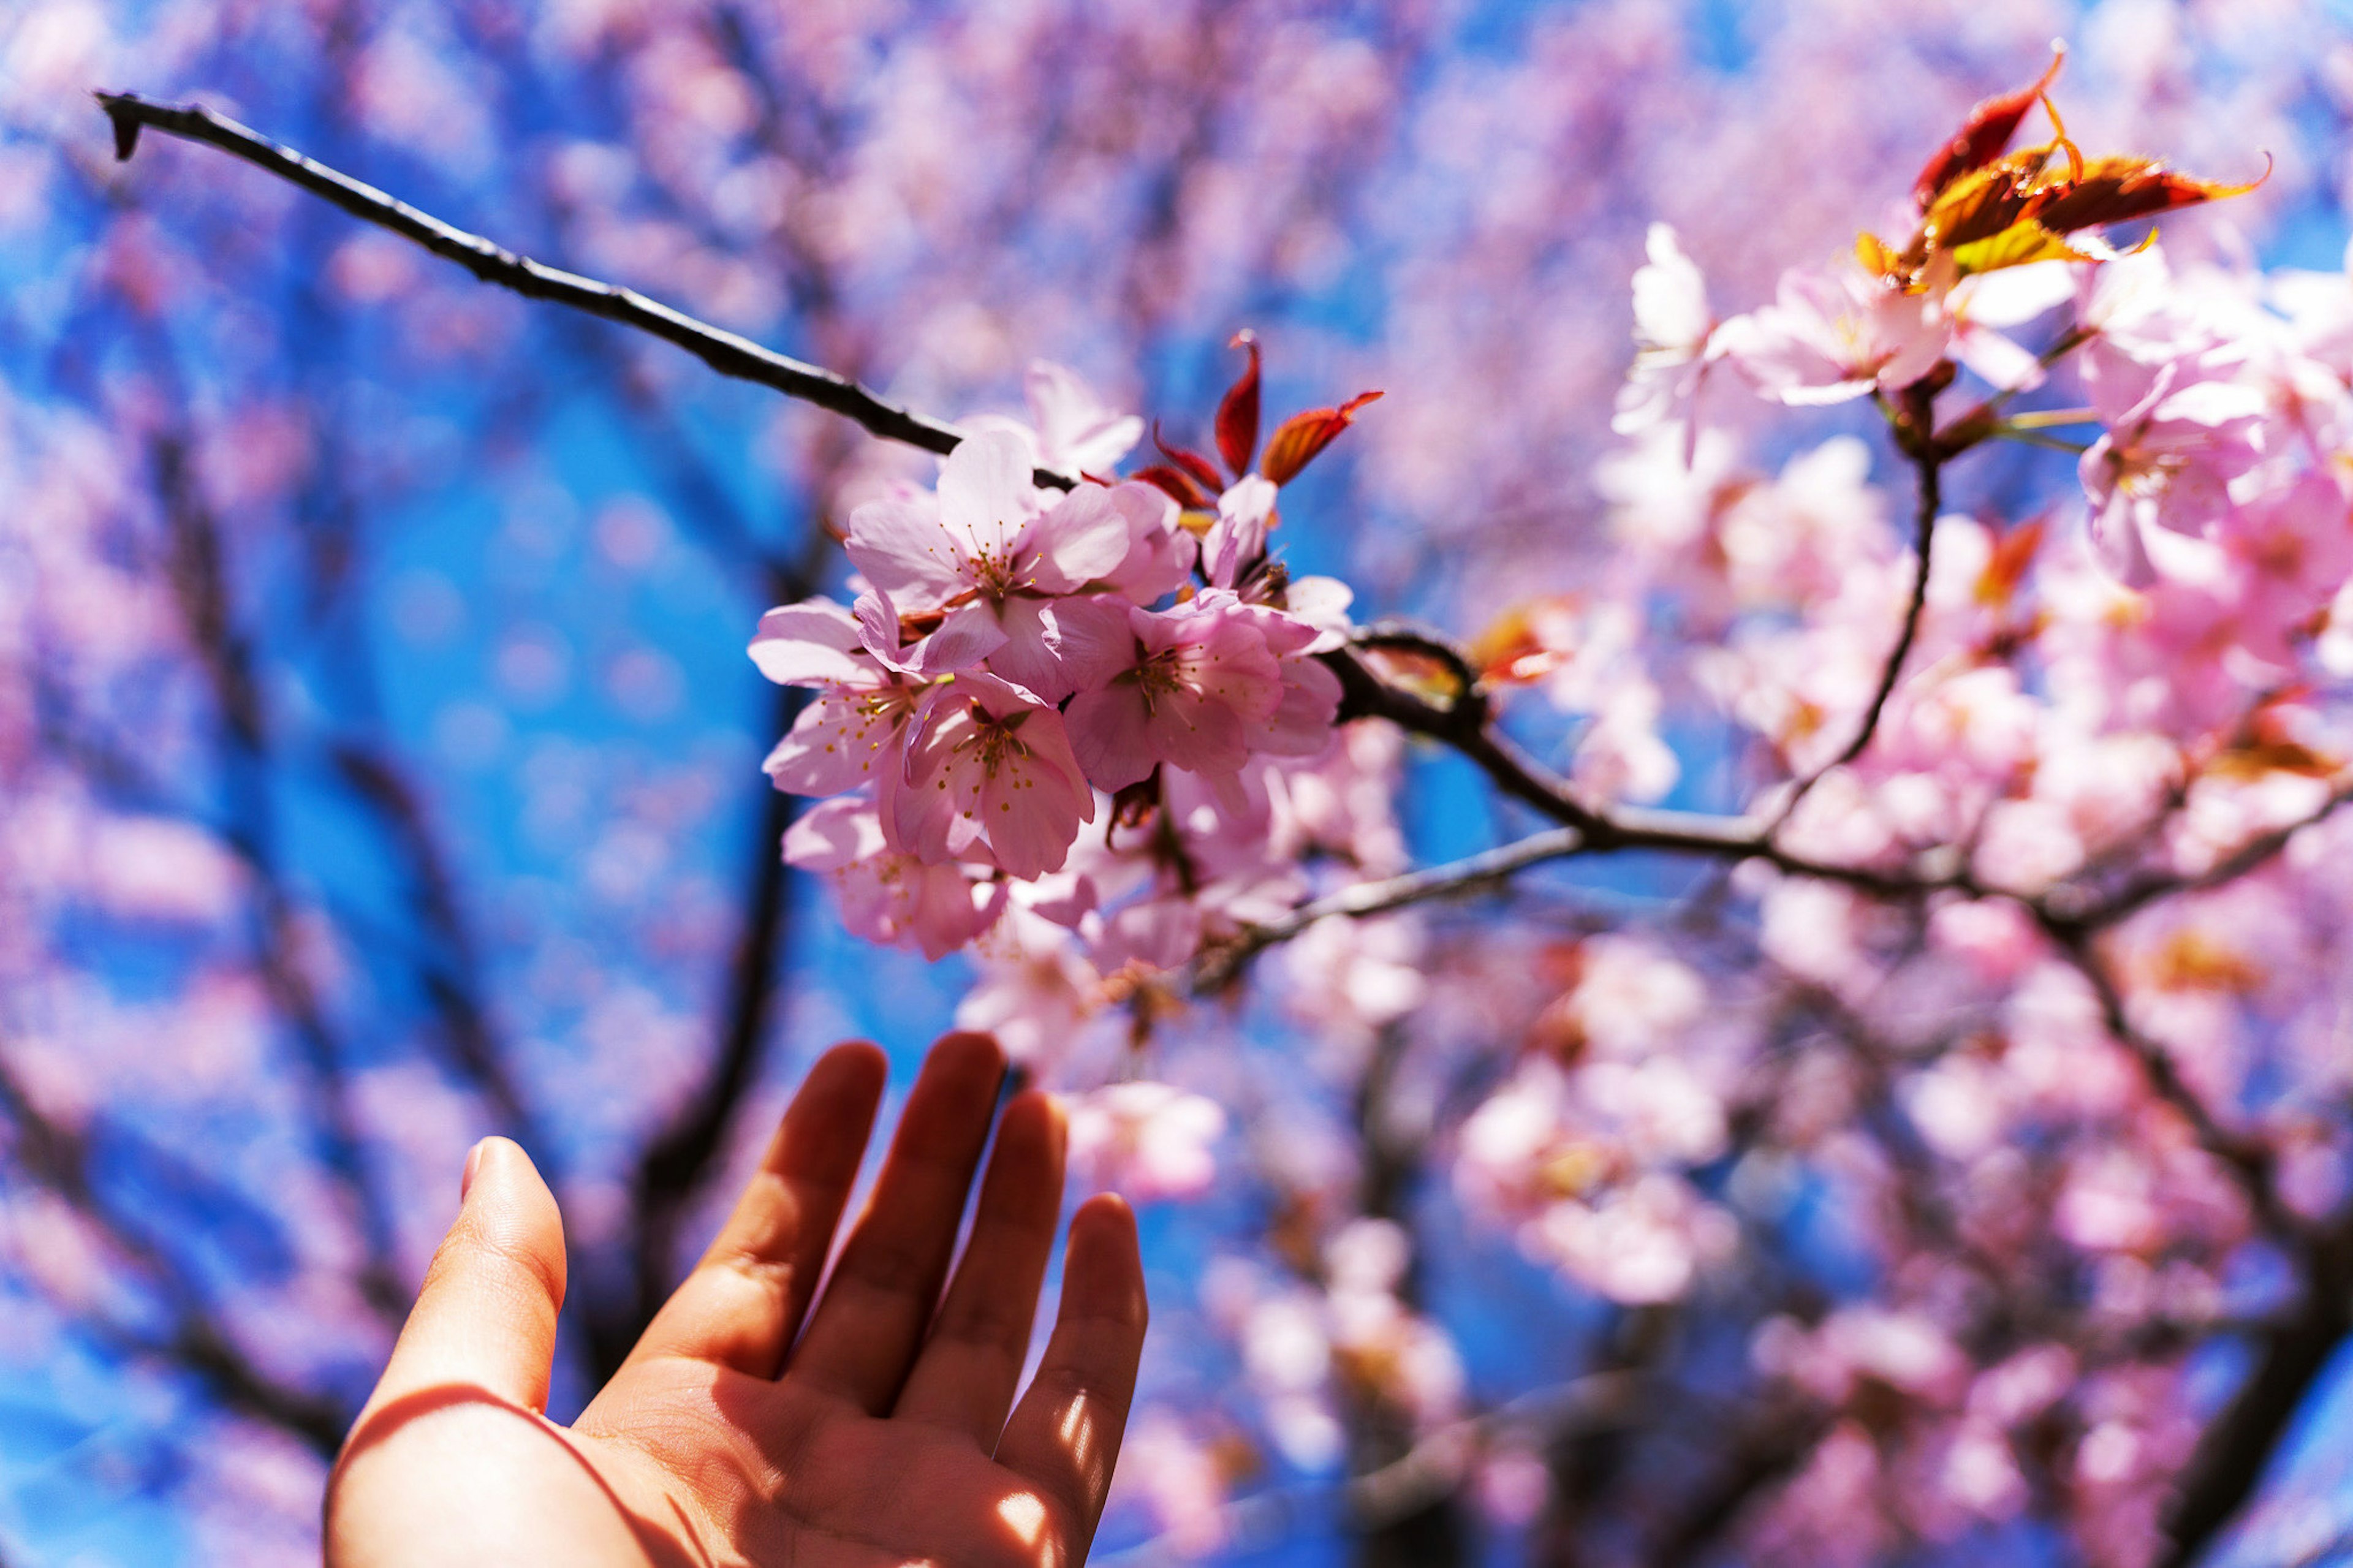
[{"x": 1896, "y": 1125}]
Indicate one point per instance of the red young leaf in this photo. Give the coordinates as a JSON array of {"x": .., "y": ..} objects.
[
  {"x": 2117, "y": 189},
  {"x": 1298, "y": 438},
  {"x": 1509, "y": 652},
  {"x": 1984, "y": 135},
  {"x": 1178, "y": 485},
  {"x": 1203, "y": 471},
  {"x": 1237, "y": 414},
  {"x": 2005, "y": 569}
]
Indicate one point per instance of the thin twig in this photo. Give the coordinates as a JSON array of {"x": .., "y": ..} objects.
[
  {"x": 2250, "y": 856},
  {"x": 1218, "y": 964},
  {"x": 2249, "y": 1159},
  {"x": 1462, "y": 726},
  {"x": 1928, "y": 463},
  {"x": 726, "y": 352},
  {"x": 2045, "y": 418}
]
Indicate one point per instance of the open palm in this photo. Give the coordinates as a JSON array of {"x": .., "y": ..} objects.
[{"x": 879, "y": 1435}]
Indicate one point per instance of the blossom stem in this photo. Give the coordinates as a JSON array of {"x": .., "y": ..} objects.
[
  {"x": 2043, "y": 418},
  {"x": 1978, "y": 422},
  {"x": 2009, "y": 430}
]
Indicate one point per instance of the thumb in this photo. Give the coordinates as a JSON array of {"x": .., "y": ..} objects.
[{"x": 486, "y": 1315}]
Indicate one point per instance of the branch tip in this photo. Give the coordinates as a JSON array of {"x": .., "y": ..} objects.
[{"x": 123, "y": 113}]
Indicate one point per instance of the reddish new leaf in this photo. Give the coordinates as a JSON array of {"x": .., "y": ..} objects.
[
  {"x": 2005, "y": 568},
  {"x": 1203, "y": 471},
  {"x": 1984, "y": 201},
  {"x": 2117, "y": 189},
  {"x": 1508, "y": 652},
  {"x": 1298, "y": 438},
  {"x": 1984, "y": 135},
  {"x": 1177, "y": 485},
  {"x": 1237, "y": 414}
]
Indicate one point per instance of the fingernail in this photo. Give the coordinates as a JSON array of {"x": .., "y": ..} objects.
[{"x": 473, "y": 1165}]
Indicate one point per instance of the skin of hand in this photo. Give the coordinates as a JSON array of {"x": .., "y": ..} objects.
[{"x": 878, "y": 1434}]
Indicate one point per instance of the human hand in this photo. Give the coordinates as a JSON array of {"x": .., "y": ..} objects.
[{"x": 881, "y": 1436}]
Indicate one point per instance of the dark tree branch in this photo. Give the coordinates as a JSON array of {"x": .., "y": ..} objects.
[
  {"x": 58, "y": 1157},
  {"x": 452, "y": 986},
  {"x": 200, "y": 583},
  {"x": 672, "y": 1170},
  {"x": 1425, "y": 1528},
  {"x": 726, "y": 352},
  {"x": 2238, "y": 1445},
  {"x": 2291, "y": 1351},
  {"x": 2249, "y": 1159}
]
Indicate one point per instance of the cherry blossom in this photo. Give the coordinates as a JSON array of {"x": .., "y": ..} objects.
[
  {"x": 849, "y": 736},
  {"x": 989, "y": 765},
  {"x": 1149, "y": 1140},
  {"x": 989, "y": 559},
  {"x": 886, "y": 896},
  {"x": 1203, "y": 676},
  {"x": 1674, "y": 340},
  {"x": 1826, "y": 339},
  {"x": 2165, "y": 460}
]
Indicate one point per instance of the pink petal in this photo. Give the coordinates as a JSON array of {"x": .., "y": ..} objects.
[
  {"x": 1083, "y": 538},
  {"x": 947, "y": 908},
  {"x": 1054, "y": 646},
  {"x": 1301, "y": 727},
  {"x": 903, "y": 550},
  {"x": 1091, "y": 639},
  {"x": 1191, "y": 730},
  {"x": 968, "y": 636},
  {"x": 1110, "y": 735},
  {"x": 1077, "y": 431},
  {"x": 808, "y": 644},
  {"x": 833, "y": 835},
  {"x": 1239, "y": 536},
  {"x": 836, "y": 744},
  {"x": 985, "y": 492},
  {"x": 1048, "y": 741},
  {"x": 1032, "y": 818},
  {"x": 1160, "y": 555}
]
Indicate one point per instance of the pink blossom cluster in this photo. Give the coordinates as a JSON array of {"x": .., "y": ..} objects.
[
  {"x": 1077, "y": 710},
  {"x": 1586, "y": 1148}
]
